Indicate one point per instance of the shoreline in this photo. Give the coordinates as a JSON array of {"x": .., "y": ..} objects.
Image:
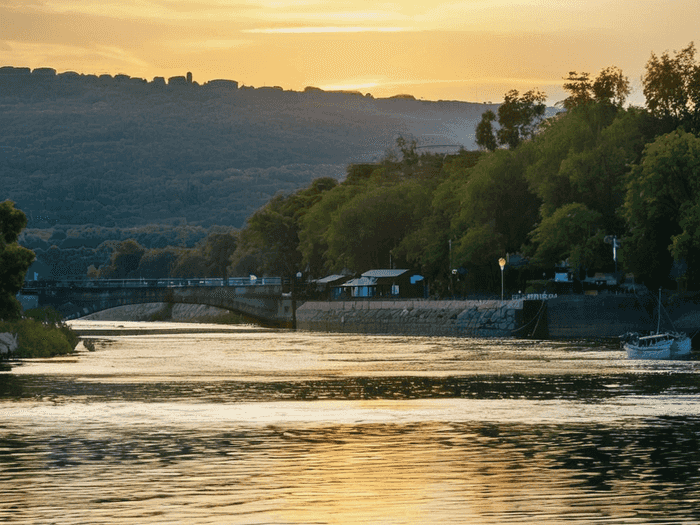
[{"x": 605, "y": 316}]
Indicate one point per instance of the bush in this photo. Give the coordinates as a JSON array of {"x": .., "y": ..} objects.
[{"x": 37, "y": 339}]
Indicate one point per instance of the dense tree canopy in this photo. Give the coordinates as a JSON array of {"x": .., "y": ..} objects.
[
  {"x": 672, "y": 87},
  {"x": 661, "y": 208},
  {"x": 14, "y": 259}
]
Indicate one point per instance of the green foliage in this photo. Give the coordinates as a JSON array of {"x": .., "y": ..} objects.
[
  {"x": 314, "y": 224},
  {"x": 159, "y": 262},
  {"x": 485, "y": 134},
  {"x": 38, "y": 339},
  {"x": 14, "y": 259},
  {"x": 498, "y": 194},
  {"x": 609, "y": 87},
  {"x": 570, "y": 233},
  {"x": 46, "y": 315},
  {"x": 124, "y": 261},
  {"x": 672, "y": 87},
  {"x": 518, "y": 118},
  {"x": 363, "y": 232},
  {"x": 661, "y": 206},
  {"x": 271, "y": 237}
]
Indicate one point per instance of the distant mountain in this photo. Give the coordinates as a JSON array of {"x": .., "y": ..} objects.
[{"x": 120, "y": 151}]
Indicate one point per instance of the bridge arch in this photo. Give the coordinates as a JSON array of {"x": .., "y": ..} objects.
[{"x": 263, "y": 304}]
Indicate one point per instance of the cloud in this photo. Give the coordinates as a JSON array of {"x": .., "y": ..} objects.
[
  {"x": 328, "y": 29},
  {"x": 205, "y": 45},
  {"x": 170, "y": 10}
]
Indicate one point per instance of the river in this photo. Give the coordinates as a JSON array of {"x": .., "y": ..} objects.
[{"x": 246, "y": 425}]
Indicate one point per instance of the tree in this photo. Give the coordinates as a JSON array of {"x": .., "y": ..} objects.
[
  {"x": 570, "y": 234},
  {"x": 190, "y": 263},
  {"x": 661, "y": 208},
  {"x": 272, "y": 233},
  {"x": 15, "y": 260},
  {"x": 498, "y": 194},
  {"x": 580, "y": 89},
  {"x": 124, "y": 261},
  {"x": 672, "y": 87},
  {"x": 609, "y": 87},
  {"x": 584, "y": 156},
  {"x": 363, "y": 232},
  {"x": 518, "y": 118},
  {"x": 485, "y": 137},
  {"x": 158, "y": 262},
  {"x": 428, "y": 245},
  {"x": 218, "y": 249}
]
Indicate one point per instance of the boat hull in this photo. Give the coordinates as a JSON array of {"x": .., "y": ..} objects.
[
  {"x": 666, "y": 346},
  {"x": 681, "y": 347},
  {"x": 661, "y": 351}
]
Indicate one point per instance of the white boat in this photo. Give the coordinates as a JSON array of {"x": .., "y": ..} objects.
[
  {"x": 661, "y": 345},
  {"x": 668, "y": 345}
]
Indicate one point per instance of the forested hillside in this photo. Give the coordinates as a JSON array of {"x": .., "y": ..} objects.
[
  {"x": 121, "y": 152},
  {"x": 94, "y": 161}
]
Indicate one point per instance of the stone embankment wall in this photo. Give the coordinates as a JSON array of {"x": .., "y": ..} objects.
[
  {"x": 610, "y": 315},
  {"x": 566, "y": 317},
  {"x": 491, "y": 318},
  {"x": 597, "y": 317}
]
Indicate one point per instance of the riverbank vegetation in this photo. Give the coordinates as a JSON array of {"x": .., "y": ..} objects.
[
  {"x": 39, "y": 332},
  {"x": 544, "y": 190},
  {"x": 39, "y": 335}
]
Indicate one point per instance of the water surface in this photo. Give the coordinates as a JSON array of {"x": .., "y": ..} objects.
[{"x": 268, "y": 426}]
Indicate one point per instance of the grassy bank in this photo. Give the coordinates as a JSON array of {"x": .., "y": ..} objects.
[{"x": 41, "y": 333}]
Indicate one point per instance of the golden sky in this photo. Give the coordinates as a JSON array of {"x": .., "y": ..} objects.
[{"x": 473, "y": 50}]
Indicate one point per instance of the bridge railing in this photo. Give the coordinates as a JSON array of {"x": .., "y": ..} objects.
[{"x": 150, "y": 283}]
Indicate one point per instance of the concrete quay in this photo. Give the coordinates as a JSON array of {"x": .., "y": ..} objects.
[
  {"x": 605, "y": 316},
  {"x": 490, "y": 318}
]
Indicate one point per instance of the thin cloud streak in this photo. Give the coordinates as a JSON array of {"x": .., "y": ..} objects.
[{"x": 332, "y": 29}]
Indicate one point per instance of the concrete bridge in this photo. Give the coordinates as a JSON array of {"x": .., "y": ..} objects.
[{"x": 259, "y": 301}]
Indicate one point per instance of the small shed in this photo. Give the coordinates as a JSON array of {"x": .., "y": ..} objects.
[
  {"x": 330, "y": 286},
  {"x": 384, "y": 283}
]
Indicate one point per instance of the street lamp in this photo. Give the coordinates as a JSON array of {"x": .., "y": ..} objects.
[{"x": 502, "y": 264}]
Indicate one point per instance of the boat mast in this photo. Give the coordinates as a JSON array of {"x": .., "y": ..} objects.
[{"x": 658, "y": 321}]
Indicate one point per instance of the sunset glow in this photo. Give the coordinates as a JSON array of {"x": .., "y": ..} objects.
[{"x": 463, "y": 50}]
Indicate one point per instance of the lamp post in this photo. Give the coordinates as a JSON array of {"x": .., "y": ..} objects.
[
  {"x": 452, "y": 293},
  {"x": 502, "y": 264}
]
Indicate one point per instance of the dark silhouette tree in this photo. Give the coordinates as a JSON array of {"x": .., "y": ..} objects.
[
  {"x": 672, "y": 87},
  {"x": 518, "y": 118},
  {"x": 14, "y": 259},
  {"x": 485, "y": 135},
  {"x": 609, "y": 87}
]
